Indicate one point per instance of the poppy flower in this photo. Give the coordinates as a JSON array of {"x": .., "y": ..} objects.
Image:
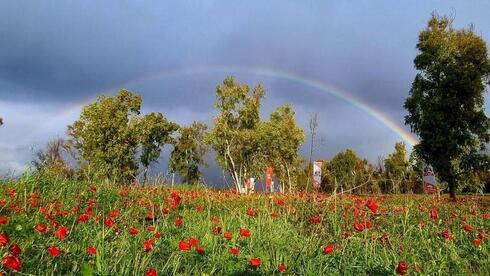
[
  {"x": 4, "y": 239},
  {"x": 235, "y": 251},
  {"x": 434, "y": 214},
  {"x": 178, "y": 221},
  {"x": 217, "y": 230},
  {"x": 108, "y": 222},
  {"x": 194, "y": 242},
  {"x": 367, "y": 224},
  {"x": 42, "y": 228},
  {"x": 12, "y": 262},
  {"x": 402, "y": 268},
  {"x": 482, "y": 236},
  {"x": 151, "y": 228},
  {"x": 245, "y": 233},
  {"x": 199, "y": 208},
  {"x": 315, "y": 220},
  {"x": 93, "y": 188},
  {"x": 54, "y": 251},
  {"x": 184, "y": 246},
  {"x": 275, "y": 215},
  {"x": 468, "y": 228},
  {"x": 359, "y": 227},
  {"x": 215, "y": 219},
  {"x": 255, "y": 262},
  {"x": 83, "y": 218},
  {"x": 157, "y": 235},
  {"x": 200, "y": 250},
  {"x": 151, "y": 272},
  {"x": 281, "y": 267},
  {"x": 328, "y": 249},
  {"x": 133, "y": 231},
  {"x": 15, "y": 249},
  {"x": 91, "y": 250},
  {"x": 372, "y": 205},
  {"x": 476, "y": 242},
  {"x": 251, "y": 212},
  {"x": 4, "y": 220},
  {"x": 228, "y": 235},
  {"x": 114, "y": 214},
  {"x": 445, "y": 234},
  {"x": 62, "y": 232}
]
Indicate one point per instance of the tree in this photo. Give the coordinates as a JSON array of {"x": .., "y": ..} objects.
[
  {"x": 154, "y": 132},
  {"x": 396, "y": 167},
  {"x": 234, "y": 136},
  {"x": 349, "y": 170},
  {"x": 446, "y": 102},
  {"x": 188, "y": 153},
  {"x": 50, "y": 162}
]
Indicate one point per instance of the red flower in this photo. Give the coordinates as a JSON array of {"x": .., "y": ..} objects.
[
  {"x": 184, "y": 246},
  {"x": 228, "y": 235},
  {"x": 367, "y": 224},
  {"x": 41, "y": 228},
  {"x": 217, "y": 230},
  {"x": 83, "y": 218},
  {"x": 235, "y": 251},
  {"x": 445, "y": 234},
  {"x": 199, "y": 208},
  {"x": 62, "y": 232},
  {"x": 434, "y": 214},
  {"x": 4, "y": 220},
  {"x": 315, "y": 220},
  {"x": 151, "y": 272},
  {"x": 93, "y": 188},
  {"x": 372, "y": 205},
  {"x": 4, "y": 239},
  {"x": 476, "y": 242},
  {"x": 200, "y": 250},
  {"x": 194, "y": 242},
  {"x": 178, "y": 221},
  {"x": 275, "y": 215},
  {"x": 12, "y": 262},
  {"x": 15, "y": 249},
  {"x": 255, "y": 262},
  {"x": 54, "y": 251},
  {"x": 245, "y": 233},
  {"x": 108, "y": 222},
  {"x": 91, "y": 250},
  {"x": 328, "y": 249},
  {"x": 482, "y": 236},
  {"x": 281, "y": 267},
  {"x": 114, "y": 214},
  {"x": 215, "y": 219},
  {"x": 468, "y": 227},
  {"x": 402, "y": 268},
  {"x": 133, "y": 231},
  {"x": 359, "y": 227},
  {"x": 151, "y": 228},
  {"x": 251, "y": 213}
]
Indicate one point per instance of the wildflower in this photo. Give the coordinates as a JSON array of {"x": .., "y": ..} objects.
[
  {"x": 402, "y": 268},
  {"x": 372, "y": 205},
  {"x": 108, "y": 222},
  {"x": 194, "y": 242},
  {"x": 4, "y": 239},
  {"x": 199, "y": 208},
  {"x": 251, "y": 213},
  {"x": 328, "y": 249},
  {"x": 235, "y": 251},
  {"x": 12, "y": 262},
  {"x": 62, "y": 232},
  {"x": 359, "y": 227},
  {"x": 54, "y": 251},
  {"x": 41, "y": 228},
  {"x": 255, "y": 262},
  {"x": 151, "y": 272},
  {"x": 178, "y": 221},
  {"x": 133, "y": 231},
  {"x": 468, "y": 228},
  {"x": 215, "y": 219},
  {"x": 200, "y": 250},
  {"x": 4, "y": 220},
  {"x": 228, "y": 235},
  {"x": 15, "y": 249},
  {"x": 281, "y": 267},
  {"x": 91, "y": 250},
  {"x": 476, "y": 242},
  {"x": 434, "y": 214},
  {"x": 217, "y": 230},
  {"x": 315, "y": 220},
  {"x": 184, "y": 246},
  {"x": 245, "y": 233}
]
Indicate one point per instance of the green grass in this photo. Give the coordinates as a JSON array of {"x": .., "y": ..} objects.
[{"x": 290, "y": 239}]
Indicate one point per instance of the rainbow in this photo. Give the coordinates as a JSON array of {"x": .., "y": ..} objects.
[{"x": 376, "y": 114}]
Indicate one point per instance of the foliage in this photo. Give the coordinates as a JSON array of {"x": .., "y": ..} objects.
[
  {"x": 446, "y": 100},
  {"x": 49, "y": 163},
  {"x": 396, "y": 167},
  {"x": 188, "y": 153},
  {"x": 349, "y": 170},
  {"x": 114, "y": 230}
]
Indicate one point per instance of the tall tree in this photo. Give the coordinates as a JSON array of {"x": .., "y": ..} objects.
[
  {"x": 234, "y": 136},
  {"x": 154, "y": 132},
  {"x": 446, "y": 102},
  {"x": 396, "y": 167},
  {"x": 188, "y": 153},
  {"x": 51, "y": 163},
  {"x": 347, "y": 168}
]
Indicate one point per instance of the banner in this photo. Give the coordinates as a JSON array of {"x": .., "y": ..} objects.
[
  {"x": 317, "y": 174},
  {"x": 268, "y": 177},
  {"x": 430, "y": 185},
  {"x": 252, "y": 183}
]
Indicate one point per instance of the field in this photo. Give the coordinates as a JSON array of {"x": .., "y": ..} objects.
[{"x": 78, "y": 228}]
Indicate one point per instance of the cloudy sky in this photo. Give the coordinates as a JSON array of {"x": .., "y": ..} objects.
[{"x": 55, "y": 56}]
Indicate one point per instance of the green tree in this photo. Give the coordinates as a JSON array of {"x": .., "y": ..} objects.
[
  {"x": 446, "y": 102},
  {"x": 234, "y": 136},
  {"x": 154, "y": 131},
  {"x": 396, "y": 168},
  {"x": 50, "y": 162},
  {"x": 188, "y": 153},
  {"x": 348, "y": 170}
]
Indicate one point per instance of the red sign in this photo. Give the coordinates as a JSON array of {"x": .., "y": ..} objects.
[{"x": 268, "y": 177}]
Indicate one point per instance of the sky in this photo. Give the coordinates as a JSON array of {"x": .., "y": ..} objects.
[{"x": 56, "y": 56}]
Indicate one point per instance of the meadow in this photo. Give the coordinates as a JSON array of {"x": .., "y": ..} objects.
[{"x": 81, "y": 228}]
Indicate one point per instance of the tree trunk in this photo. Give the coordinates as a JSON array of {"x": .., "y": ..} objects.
[{"x": 452, "y": 189}]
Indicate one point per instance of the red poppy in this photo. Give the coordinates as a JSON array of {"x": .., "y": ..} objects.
[
  {"x": 114, "y": 214},
  {"x": 255, "y": 262},
  {"x": 315, "y": 220},
  {"x": 184, "y": 246},
  {"x": 151, "y": 272},
  {"x": 4, "y": 220},
  {"x": 281, "y": 267},
  {"x": 15, "y": 249},
  {"x": 228, "y": 235},
  {"x": 54, "y": 251},
  {"x": 42, "y": 228},
  {"x": 133, "y": 231},
  {"x": 275, "y": 215},
  {"x": 445, "y": 234},
  {"x": 108, "y": 222},
  {"x": 151, "y": 228},
  {"x": 251, "y": 212},
  {"x": 468, "y": 227},
  {"x": 83, "y": 218},
  {"x": 434, "y": 214},
  {"x": 199, "y": 208},
  {"x": 359, "y": 227},
  {"x": 235, "y": 251},
  {"x": 402, "y": 268},
  {"x": 157, "y": 235},
  {"x": 328, "y": 249},
  {"x": 194, "y": 242},
  {"x": 12, "y": 262},
  {"x": 372, "y": 205},
  {"x": 217, "y": 230},
  {"x": 215, "y": 219},
  {"x": 91, "y": 250},
  {"x": 62, "y": 232},
  {"x": 245, "y": 233},
  {"x": 4, "y": 239},
  {"x": 93, "y": 188},
  {"x": 476, "y": 242},
  {"x": 200, "y": 250},
  {"x": 178, "y": 221},
  {"x": 482, "y": 236},
  {"x": 367, "y": 224}
]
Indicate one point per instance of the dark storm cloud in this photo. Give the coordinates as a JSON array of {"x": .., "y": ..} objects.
[{"x": 54, "y": 54}]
